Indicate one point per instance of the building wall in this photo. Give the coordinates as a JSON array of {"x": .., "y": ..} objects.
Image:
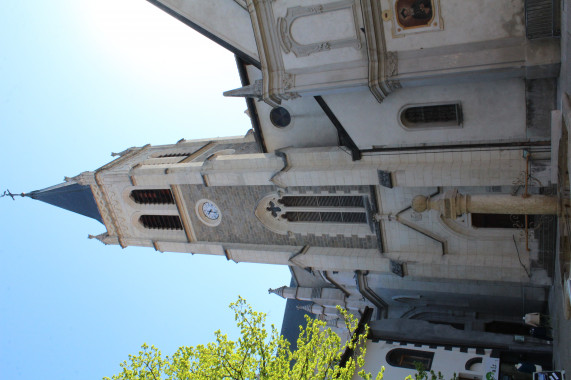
[
  {"x": 240, "y": 225},
  {"x": 491, "y": 111},
  {"x": 449, "y": 362}
]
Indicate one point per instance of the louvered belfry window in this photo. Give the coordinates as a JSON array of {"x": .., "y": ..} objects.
[
  {"x": 432, "y": 116},
  {"x": 161, "y": 222},
  {"x": 324, "y": 209},
  {"x": 147, "y": 197},
  {"x": 168, "y": 155}
]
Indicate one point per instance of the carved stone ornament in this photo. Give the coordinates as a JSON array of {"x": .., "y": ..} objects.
[
  {"x": 392, "y": 67},
  {"x": 122, "y": 153},
  {"x": 287, "y": 81},
  {"x": 290, "y": 96},
  {"x": 415, "y": 16},
  {"x": 288, "y": 42},
  {"x": 385, "y": 178},
  {"x": 383, "y": 64},
  {"x": 85, "y": 178},
  {"x": 254, "y": 90},
  {"x": 105, "y": 238},
  {"x": 397, "y": 268}
]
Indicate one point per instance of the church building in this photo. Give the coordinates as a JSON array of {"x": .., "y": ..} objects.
[{"x": 403, "y": 156}]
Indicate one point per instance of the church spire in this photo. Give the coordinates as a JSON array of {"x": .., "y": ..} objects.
[
  {"x": 71, "y": 196},
  {"x": 279, "y": 291}
]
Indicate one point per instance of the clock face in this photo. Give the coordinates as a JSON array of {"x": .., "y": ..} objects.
[{"x": 210, "y": 211}]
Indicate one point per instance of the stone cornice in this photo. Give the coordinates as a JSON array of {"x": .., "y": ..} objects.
[
  {"x": 106, "y": 202},
  {"x": 276, "y": 81},
  {"x": 382, "y": 64}
]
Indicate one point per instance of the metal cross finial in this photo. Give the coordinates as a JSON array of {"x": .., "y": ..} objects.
[{"x": 7, "y": 193}]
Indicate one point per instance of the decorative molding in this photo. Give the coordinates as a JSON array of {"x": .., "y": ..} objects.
[
  {"x": 84, "y": 179},
  {"x": 269, "y": 212},
  {"x": 254, "y": 90},
  {"x": 288, "y": 81},
  {"x": 289, "y": 44},
  {"x": 105, "y": 238},
  {"x": 436, "y": 23},
  {"x": 103, "y": 207},
  {"x": 392, "y": 63},
  {"x": 124, "y": 152},
  {"x": 113, "y": 222},
  {"x": 183, "y": 213},
  {"x": 397, "y": 268},
  {"x": 127, "y": 158},
  {"x": 265, "y": 33},
  {"x": 383, "y": 64}
]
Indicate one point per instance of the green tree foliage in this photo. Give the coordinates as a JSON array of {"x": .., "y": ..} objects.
[
  {"x": 257, "y": 354},
  {"x": 422, "y": 374}
]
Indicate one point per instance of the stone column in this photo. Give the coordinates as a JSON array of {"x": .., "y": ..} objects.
[{"x": 454, "y": 204}]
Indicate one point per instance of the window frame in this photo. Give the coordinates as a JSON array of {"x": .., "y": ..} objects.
[
  {"x": 430, "y": 125},
  {"x": 401, "y": 357},
  {"x": 166, "y": 195},
  {"x": 152, "y": 221}
]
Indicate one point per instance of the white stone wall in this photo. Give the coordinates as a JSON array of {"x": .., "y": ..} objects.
[
  {"x": 492, "y": 111},
  {"x": 449, "y": 363}
]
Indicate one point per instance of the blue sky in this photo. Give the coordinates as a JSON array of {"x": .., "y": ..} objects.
[{"x": 79, "y": 80}]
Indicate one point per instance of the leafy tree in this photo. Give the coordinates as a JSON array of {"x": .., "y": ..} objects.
[
  {"x": 422, "y": 374},
  {"x": 258, "y": 354}
]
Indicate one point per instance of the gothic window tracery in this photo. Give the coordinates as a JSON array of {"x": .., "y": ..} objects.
[
  {"x": 323, "y": 209},
  {"x": 331, "y": 214}
]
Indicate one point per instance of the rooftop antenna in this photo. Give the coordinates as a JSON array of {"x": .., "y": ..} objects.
[{"x": 7, "y": 193}]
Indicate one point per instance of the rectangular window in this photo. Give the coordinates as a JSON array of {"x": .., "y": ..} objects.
[
  {"x": 155, "y": 196},
  {"x": 161, "y": 222}
]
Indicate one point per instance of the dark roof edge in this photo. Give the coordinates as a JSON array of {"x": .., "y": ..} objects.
[
  {"x": 345, "y": 138},
  {"x": 206, "y": 33},
  {"x": 252, "y": 110}
]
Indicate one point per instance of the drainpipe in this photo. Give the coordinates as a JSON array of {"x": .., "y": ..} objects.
[{"x": 368, "y": 293}]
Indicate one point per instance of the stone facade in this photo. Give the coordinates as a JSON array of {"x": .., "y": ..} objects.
[{"x": 407, "y": 122}]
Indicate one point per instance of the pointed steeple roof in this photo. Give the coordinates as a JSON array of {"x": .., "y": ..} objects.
[{"x": 70, "y": 196}]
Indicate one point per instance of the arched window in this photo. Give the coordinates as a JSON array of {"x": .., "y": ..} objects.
[
  {"x": 161, "y": 222},
  {"x": 427, "y": 116},
  {"x": 405, "y": 358},
  {"x": 324, "y": 209},
  {"x": 157, "y": 196},
  {"x": 473, "y": 364},
  {"x": 316, "y": 214},
  {"x": 322, "y": 201}
]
